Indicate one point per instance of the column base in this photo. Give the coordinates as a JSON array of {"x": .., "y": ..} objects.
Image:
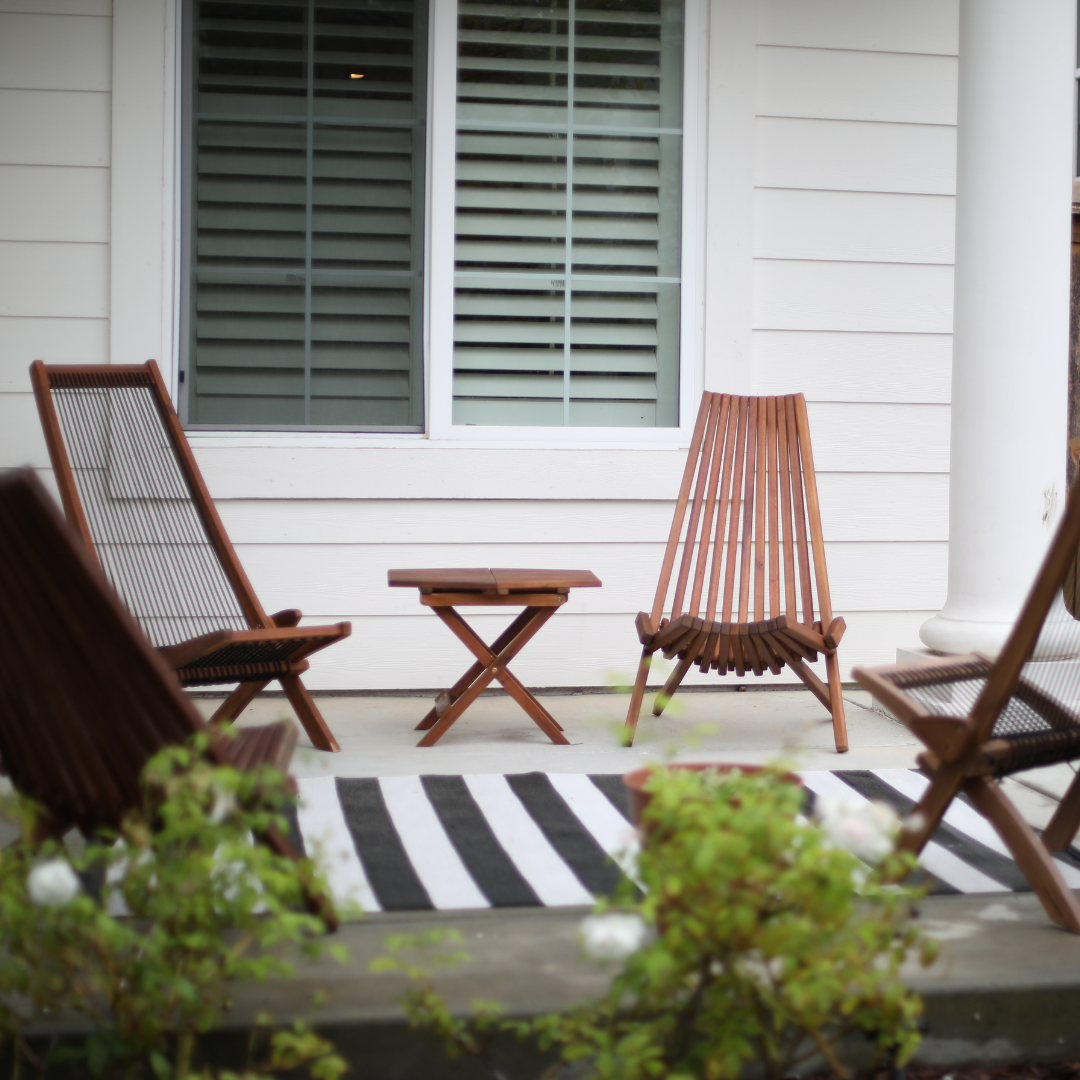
[{"x": 955, "y": 637}]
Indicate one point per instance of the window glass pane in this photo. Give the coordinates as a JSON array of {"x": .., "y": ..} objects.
[
  {"x": 567, "y": 273},
  {"x": 306, "y": 246}
]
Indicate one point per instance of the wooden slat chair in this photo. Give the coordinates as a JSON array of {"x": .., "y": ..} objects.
[
  {"x": 133, "y": 492},
  {"x": 85, "y": 700},
  {"x": 744, "y": 595},
  {"x": 982, "y": 719}
]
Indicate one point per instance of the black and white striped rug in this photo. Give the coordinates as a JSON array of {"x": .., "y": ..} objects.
[{"x": 418, "y": 843}]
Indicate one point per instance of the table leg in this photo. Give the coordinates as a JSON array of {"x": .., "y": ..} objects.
[
  {"x": 493, "y": 666},
  {"x": 463, "y": 683}
]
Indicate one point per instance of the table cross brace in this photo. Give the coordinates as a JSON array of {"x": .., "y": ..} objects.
[{"x": 491, "y": 664}]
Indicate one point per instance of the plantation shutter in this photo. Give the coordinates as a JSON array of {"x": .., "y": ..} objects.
[
  {"x": 305, "y": 253},
  {"x": 567, "y": 274}
]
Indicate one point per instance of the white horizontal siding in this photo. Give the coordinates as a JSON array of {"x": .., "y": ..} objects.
[
  {"x": 853, "y": 226},
  {"x": 855, "y": 173},
  {"x": 59, "y": 7},
  {"x": 55, "y": 52},
  {"x": 57, "y": 279},
  {"x": 21, "y": 440},
  {"x": 830, "y": 84},
  {"x": 912, "y": 26},
  {"x": 844, "y": 366},
  {"x": 54, "y": 340},
  {"x": 852, "y": 155},
  {"x": 893, "y": 297},
  {"x": 54, "y": 127},
  {"x": 47, "y": 202},
  {"x": 883, "y": 507},
  {"x": 327, "y": 577}
]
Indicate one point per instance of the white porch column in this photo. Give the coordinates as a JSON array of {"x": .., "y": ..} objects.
[{"x": 1010, "y": 346}]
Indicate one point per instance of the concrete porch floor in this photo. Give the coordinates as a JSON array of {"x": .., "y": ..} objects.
[{"x": 1006, "y": 986}]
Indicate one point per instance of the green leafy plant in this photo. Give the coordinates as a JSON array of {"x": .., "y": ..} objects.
[
  {"x": 142, "y": 934},
  {"x": 758, "y": 937}
]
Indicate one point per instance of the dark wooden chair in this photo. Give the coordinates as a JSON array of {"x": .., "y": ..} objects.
[
  {"x": 133, "y": 492},
  {"x": 744, "y": 596},
  {"x": 982, "y": 719},
  {"x": 85, "y": 700}
]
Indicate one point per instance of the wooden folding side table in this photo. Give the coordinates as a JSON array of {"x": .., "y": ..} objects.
[{"x": 540, "y": 592}]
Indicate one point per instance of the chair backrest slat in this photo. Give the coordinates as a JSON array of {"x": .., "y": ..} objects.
[
  {"x": 724, "y": 506},
  {"x": 730, "y": 552},
  {"x": 752, "y": 518},
  {"x": 759, "y": 517},
  {"x": 691, "y": 535},
  {"x": 774, "y": 533},
  {"x": 85, "y": 700},
  {"x": 746, "y": 541},
  {"x": 680, "y": 507},
  {"x": 817, "y": 543},
  {"x": 787, "y": 515},
  {"x": 799, "y": 511},
  {"x": 131, "y": 487},
  {"x": 704, "y": 545}
]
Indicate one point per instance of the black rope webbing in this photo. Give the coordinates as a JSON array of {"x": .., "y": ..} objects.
[{"x": 145, "y": 526}]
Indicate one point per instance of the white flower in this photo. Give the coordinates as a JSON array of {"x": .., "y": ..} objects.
[
  {"x": 613, "y": 937},
  {"x": 223, "y": 808},
  {"x": 52, "y": 884},
  {"x": 866, "y": 829}
]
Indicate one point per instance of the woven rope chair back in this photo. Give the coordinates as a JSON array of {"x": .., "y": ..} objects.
[
  {"x": 745, "y": 543},
  {"x": 84, "y": 700},
  {"x": 139, "y": 506},
  {"x": 1030, "y": 694}
]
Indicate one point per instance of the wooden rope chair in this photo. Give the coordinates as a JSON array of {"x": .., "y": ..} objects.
[
  {"x": 85, "y": 700},
  {"x": 133, "y": 492},
  {"x": 982, "y": 719},
  {"x": 744, "y": 595}
]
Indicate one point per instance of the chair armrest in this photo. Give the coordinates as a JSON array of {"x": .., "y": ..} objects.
[
  {"x": 287, "y": 617},
  {"x": 835, "y": 632}
]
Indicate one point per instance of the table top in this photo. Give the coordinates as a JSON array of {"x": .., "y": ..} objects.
[{"x": 497, "y": 580}]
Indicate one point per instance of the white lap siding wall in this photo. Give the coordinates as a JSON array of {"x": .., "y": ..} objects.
[
  {"x": 852, "y": 299},
  {"x": 55, "y": 79}
]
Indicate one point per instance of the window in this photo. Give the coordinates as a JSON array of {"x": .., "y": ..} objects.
[
  {"x": 305, "y": 281},
  {"x": 567, "y": 256},
  {"x": 304, "y": 266}
]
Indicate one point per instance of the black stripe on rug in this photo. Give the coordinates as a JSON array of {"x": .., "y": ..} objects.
[
  {"x": 565, "y": 833},
  {"x": 491, "y": 868},
  {"x": 1003, "y": 870},
  {"x": 379, "y": 847},
  {"x": 612, "y": 786}
]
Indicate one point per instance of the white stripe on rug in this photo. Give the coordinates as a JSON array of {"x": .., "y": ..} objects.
[
  {"x": 322, "y": 824},
  {"x": 433, "y": 856},
  {"x": 609, "y": 828},
  {"x": 934, "y": 858},
  {"x": 554, "y": 883},
  {"x": 964, "y": 819}
]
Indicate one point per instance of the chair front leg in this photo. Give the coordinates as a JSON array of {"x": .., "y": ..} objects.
[
  {"x": 923, "y": 821},
  {"x": 836, "y": 698},
  {"x": 307, "y": 711},
  {"x": 638, "y": 695},
  {"x": 676, "y": 677}
]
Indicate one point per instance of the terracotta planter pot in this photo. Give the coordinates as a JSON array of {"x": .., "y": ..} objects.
[{"x": 639, "y": 798}]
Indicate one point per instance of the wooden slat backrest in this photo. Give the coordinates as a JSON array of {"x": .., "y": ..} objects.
[
  {"x": 747, "y": 518},
  {"x": 145, "y": 591},
  {"x": 85, "y": 700}
]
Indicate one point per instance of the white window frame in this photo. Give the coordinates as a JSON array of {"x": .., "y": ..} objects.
[
  {"x": 439, "y": 344},
  {"x": 439, "y": 258}
]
